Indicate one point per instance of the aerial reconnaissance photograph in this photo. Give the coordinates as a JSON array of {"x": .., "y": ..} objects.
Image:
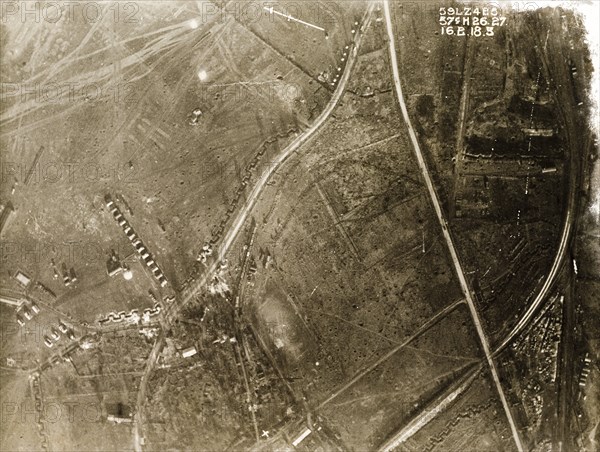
[{"x": 308, "y": 225}]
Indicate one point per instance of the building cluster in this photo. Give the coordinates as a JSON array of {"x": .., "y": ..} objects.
[
  {"x": 132, "y": 316},
  {"x": 204, "y": 253},
  {"x": 224, "y": 338},
  {"x": 538, "y": 347},
  {"x": 235, "y": 199},
  {"x": 587, "y": 363},
  {"x": 66, "y": 354},
  {"x": 54, "y": 335},
  {"x": 149, "y": 333},
  {"x": 332, "y": 76},
  {"x": 136, "y": 241},
  {"x": 542, "y": 341},
  {"x": 68, "y": 275},
  {"x": 252, "y": 269},
  {"x": 27, "y": 312}
]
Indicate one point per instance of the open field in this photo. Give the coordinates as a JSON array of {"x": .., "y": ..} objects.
[
  {"x": 98, "y": 91},
  {"x": 371, "y": 243},
  {"x": 19, "y": 419},
  {"x": 384, "y": 399},
  {"x": 133, "y": 134}
]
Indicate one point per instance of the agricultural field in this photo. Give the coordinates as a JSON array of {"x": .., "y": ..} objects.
[{"x": 370, "y": 410}]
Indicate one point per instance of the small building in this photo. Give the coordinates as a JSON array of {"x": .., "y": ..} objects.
[
  {"x": 188, "y": 352},
  {"x": 162, "y": 280},
  {"x": 119, "y": 419},
  {"x": 54, "y": 334},
  {"x": 538, "y": 132},
  {"x": 119, "y": 413},
  {"x": 11, "y": 300},
  {"x": 113, "y": 265},
  {"x": 22, "y": 278},
  {"x": 62, "y": 327},
  {"x": 27, "y": 313},
  {"x": 302, "y": 436}
]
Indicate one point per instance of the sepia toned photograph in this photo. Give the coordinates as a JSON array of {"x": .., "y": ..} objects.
[{"x": 299, "y": 225}]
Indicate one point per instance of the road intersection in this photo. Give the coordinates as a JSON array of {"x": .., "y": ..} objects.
[
  {"x": 490, "y": 352},
  {"x": 445, "y": 230}
]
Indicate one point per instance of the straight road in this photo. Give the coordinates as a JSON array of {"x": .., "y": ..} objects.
[
  {"x": 432, "y": 321},
  {"x": 139, "y": 419},
  {"x": 567, "y": 108},
  {"x": 444, "y": 224}
]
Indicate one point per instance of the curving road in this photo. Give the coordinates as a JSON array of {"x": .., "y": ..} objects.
[
  {"x": 276, "y": 164},
  {"x": 563, "y": 104},
  {"x": 542, "y": 295},
  {"x": 444, "y": 224},
  {"x": 241, "y": 218}
]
